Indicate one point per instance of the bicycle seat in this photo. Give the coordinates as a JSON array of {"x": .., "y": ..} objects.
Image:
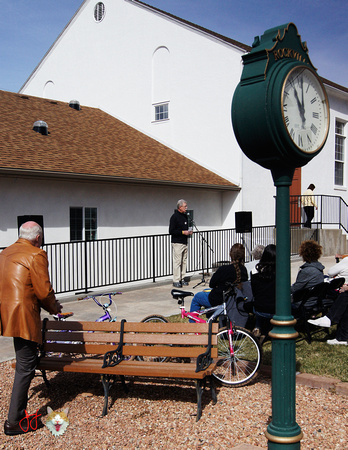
[
  {"x": 63, "y": 316},
  {"x": 176, "y": 293}
]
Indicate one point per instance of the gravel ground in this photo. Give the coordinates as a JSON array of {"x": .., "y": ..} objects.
[{"x": 161, "y": 415}]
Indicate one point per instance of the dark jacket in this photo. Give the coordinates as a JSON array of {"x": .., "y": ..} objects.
[
  {"x": 24, "y": 289},
  {"x": 218, "y": 281},
  {"x": 264, "y": 292},
  {"x": 177, "y": 224},
  {"x": 309, "y": 275}
]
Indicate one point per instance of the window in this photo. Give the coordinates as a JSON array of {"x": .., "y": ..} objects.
[
  {"x": 339, "y": 153},
  {"x": 161, "y": 112},
  {"x": 90, "y": 224},
  {"x": 83, "y": 219},
  {"x": 99, "y": 12}
]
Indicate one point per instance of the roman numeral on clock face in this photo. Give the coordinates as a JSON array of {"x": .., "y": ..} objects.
[{"x": 314, "y": 129}]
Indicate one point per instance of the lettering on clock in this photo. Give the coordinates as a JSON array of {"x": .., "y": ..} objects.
[
  {"x": 300, "y": 141},
  {"x": 315, "y": 115},
  {"x": 288, "y": 53},
  {"x": 313, "y": 100}
]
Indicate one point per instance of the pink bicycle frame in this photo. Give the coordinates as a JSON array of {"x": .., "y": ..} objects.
[{"x": 195, "y": 315}]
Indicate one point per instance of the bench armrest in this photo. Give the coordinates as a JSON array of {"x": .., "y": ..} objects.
[
  {"x": 114, "y": 357},
  {"x": 204, "y": 359}
]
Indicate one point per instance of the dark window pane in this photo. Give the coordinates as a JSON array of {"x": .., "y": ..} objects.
[{"x": 76, "y": 224}]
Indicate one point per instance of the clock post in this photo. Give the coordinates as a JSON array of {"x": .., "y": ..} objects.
[{"x": 280, "y": 116}]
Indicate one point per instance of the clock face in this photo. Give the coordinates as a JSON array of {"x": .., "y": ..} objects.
[{"x": 305, "y": 109}]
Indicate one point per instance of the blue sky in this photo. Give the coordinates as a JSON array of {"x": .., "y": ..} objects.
[{"x": 29, "y": 27}]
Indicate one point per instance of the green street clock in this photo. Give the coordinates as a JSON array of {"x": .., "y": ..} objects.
[{"x": 280, "y": 110}]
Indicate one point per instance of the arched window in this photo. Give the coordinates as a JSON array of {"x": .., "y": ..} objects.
[
  {"x": 161, "y": 84},
  {"x": 99, "y": 12}
]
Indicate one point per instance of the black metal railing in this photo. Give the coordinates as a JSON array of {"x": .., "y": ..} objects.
[
  {"x": 331, "y": 210},
  {"x": 84, "y": 265}
]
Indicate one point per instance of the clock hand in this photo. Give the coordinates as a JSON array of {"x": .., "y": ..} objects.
[
  {"x": 302, "y": 111},
  {"x": 297, "y": 100},
  {"x": 300, "y": 107}
]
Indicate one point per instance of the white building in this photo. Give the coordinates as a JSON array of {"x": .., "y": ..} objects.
[{"x": 173, "y": 81}]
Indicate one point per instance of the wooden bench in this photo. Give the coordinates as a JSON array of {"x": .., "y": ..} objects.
[{"x": 132, "y": 349}]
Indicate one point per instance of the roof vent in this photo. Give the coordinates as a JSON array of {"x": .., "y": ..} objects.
[
  {"x": 74, "y": 104},
  {"x": 41, "y": 127}
]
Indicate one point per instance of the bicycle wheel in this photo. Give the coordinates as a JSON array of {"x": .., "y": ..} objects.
[
  {"x": 240, "y": 367},
  {"x": 154, "y": 319}
]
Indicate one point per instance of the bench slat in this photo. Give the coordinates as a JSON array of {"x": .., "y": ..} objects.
[
  {"x": 130, "y": 338},
  {"x": 127, "y": 368},
  {"x": 141, "y": 327}
]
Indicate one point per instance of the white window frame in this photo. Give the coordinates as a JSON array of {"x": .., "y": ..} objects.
[
  {"x": 161, "y": 116},
  {"x": 84, "y": 230},
  {"x": 340, "y": 152}
]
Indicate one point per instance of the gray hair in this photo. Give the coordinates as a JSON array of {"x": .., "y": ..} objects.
[
  {"x": 180, "y": 203},
  {"x": 257, "y": 251},
  {"x": 29, "y": 231}
]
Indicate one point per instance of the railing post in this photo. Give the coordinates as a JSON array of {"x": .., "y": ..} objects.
[
  {"x": 86, "y": 268},
  {"x": 153, "y": 260}
]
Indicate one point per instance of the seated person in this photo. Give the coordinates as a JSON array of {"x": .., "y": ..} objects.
[
  {"x": 340, "y": 269},
  {"x": 234, "y": 273},
  {"x": 338, "y": 313},
  {"x": 311, "y": 272},
  {"x": 256, "y": 255},
  {"x": 263, "y": 285}
]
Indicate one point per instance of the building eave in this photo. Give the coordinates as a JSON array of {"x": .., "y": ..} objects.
[{"x": 34, "y": 174}]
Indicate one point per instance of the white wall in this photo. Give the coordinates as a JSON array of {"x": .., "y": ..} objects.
[
  {"x": 320, "y": 171},
  {"x": 119, "y": 207},
  {"x": 113, "y": 65}
]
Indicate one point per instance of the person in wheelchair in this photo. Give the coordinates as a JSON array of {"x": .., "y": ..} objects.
[
  {"x": 263, "y": 285},
  {"x": 231, "y": 273}
]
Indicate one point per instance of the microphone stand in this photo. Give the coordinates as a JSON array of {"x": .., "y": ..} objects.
[{"x": 203, "y": 280}]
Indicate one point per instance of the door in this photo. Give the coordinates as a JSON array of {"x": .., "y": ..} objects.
[{"x": 295, "y": 198}]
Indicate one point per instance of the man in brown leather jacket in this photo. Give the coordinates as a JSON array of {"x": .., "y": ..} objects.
[{"x": 24, "y": 289}]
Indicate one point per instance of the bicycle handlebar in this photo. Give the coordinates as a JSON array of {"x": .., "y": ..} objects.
[{"x": 109, "y": 294}]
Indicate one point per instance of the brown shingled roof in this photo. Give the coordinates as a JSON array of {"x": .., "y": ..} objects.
[{"x": 89, "y": 143}]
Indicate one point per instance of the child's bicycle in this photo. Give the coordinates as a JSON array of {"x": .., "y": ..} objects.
[
  {"x": 239, "y": 351},
  {"x": 107, "y": 304}
]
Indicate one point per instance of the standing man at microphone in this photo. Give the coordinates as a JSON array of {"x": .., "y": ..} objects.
[{"x": 179, "y": 230}]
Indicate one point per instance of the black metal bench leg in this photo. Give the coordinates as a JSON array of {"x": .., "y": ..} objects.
[
  {"x": 47, "y": 383},
  {"x": 199, "y": 390},
  {"x": 213, "y": 390},
  {"x": 106, "y": 386},
  {"x": 123, "y": 381}
]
